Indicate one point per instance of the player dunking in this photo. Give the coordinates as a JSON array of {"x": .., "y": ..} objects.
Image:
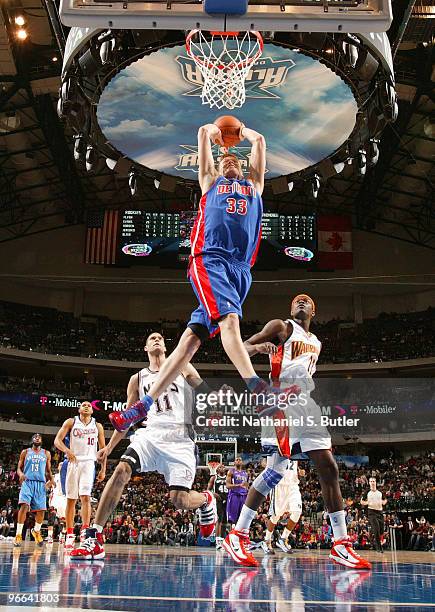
[
  {"x": 225, "y": 240},
  {"x": 294, "y": 351},
  {"x": 237, "y": 485},
  {"x": 34, "y": 472},
  {"x": 79, "y": 438},
  {"x": 165, "y": 445},
  {"x": 218, "y": 484}
]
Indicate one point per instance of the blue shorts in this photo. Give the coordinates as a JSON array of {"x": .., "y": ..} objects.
[
  {"x": 221, "y": 287},
  {"x": 63, "y": 471},
  {"x": 34, "y": 494}
]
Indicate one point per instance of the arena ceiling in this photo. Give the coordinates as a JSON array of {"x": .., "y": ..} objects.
[{"x": 42, "y": 188}]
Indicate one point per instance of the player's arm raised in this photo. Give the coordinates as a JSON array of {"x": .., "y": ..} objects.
[
  {"x": 20, "y": 467},
  {"x": 192, "y": 376},
  {"x": 59, "y": 440},
  {"x": 262, "y": 342},
  {"x": 207, "y": 171},
  {"x": 257, "y": 161},
  {"x": 117, "y": 436},
  {"x": 211, "y": 483},
  {"x": 101, "y": 444}
]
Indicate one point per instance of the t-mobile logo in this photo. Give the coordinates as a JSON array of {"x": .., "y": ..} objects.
[{"x": 43, "y": 400}]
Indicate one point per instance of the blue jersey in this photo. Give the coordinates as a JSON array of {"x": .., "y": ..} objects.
[
  {"x": 229, "y": 221},
  {"x": 35, "y": 464}
]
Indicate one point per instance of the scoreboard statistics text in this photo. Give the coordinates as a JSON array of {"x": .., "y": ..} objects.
[{"x": 163, "y": 239}]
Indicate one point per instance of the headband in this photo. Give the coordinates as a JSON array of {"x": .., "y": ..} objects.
[{"x": 307, "y": 297}]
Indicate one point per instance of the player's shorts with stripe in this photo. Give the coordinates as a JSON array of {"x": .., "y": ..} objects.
[
  {"x": 221, "y": 287},
  {"x": 284, "y": 499},
  {"x": 34, "y": 494},
  {"x": 80, "y": 476},
  {"x": 306, "y": 433},
  {"x": 168, "y": 452}
]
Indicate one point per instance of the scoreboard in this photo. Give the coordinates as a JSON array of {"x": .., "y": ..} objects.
[{"x": 163, "y": 239}]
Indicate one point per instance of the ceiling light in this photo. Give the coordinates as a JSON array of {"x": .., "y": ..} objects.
[
  {"x": 21, "y": 34},
  {"x": 19, "y": 20}
]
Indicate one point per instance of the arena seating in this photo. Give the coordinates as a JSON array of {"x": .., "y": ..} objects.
[
  {"x": 145, "y": 515},
  {"x": 388, "y": 337}
]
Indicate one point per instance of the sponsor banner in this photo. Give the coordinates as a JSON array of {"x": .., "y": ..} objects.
[{"x": 304, "y": 411}]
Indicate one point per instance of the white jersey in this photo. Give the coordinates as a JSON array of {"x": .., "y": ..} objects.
[
  {"x": 83, "y": 440},
  {"x": 290, "y": 478},
  {"x": 173, "y": 407},
  {"x": 299, "y": 353},
  {"x": 56, "y": 492}
]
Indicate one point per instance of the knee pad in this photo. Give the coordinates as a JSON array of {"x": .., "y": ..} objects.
[
  {"x": 277, "y": 463},
  {"x": 266, "y": 481},
  {"x": 295, "y": 515}
]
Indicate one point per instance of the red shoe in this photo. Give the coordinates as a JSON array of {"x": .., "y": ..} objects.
[
  {"x": 92, "y": 547},
  {"x": 342, "y": 553},
  {"x": 208, "y": 516},
  {"x": 236, "y": 544},
  {"x": 122, "y": 420}
]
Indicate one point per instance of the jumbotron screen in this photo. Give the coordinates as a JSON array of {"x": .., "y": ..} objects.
[{"x": 163, "y": 239}]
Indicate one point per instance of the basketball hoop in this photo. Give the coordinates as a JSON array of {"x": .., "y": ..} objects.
[
  {"x": 212, "y": 466},
  {"x": 224, "y": 60}
]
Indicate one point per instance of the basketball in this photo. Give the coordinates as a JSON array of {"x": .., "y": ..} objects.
[{"x": 230, "y": 128}]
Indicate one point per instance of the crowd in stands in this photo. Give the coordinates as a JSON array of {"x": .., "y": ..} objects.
[
  {"x": 388, "y": 337},
  {"x": 146, "y": 516}
]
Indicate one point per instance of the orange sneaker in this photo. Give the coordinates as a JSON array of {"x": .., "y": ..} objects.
[
  {"x": 342, "y": 553},
  {"x": 236, "y": 544}
]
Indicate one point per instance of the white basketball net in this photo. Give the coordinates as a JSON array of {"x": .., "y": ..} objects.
[{"x": 224, "y": 60}]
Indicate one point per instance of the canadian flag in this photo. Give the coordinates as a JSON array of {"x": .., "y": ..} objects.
[{"x": 334, "y": 242}]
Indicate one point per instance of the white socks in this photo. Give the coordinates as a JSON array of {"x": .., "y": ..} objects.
[
  {"x": 245, "y": 519},
  {"x": 338, "y": 523},
  {"x": 99, "y": 528},
  {"x": 268, "y": 536},
  {"x": 19, "y": 529},
  {"x": 285, "y": 534},
  {"x": 37, "y": 527}
]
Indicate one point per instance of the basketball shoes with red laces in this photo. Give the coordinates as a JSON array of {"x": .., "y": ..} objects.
[
  {"x": 237, "y": 546},
  {"x": 208, "y": 516},
  {"x": 91, "y": 548},
  {"x": 342, "y": 553}
]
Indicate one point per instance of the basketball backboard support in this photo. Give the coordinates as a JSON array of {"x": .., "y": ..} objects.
[{"x": 262, "y": 15}]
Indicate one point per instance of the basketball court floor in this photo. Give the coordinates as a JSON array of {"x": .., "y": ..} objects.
[{"x": 146, "y": 578}]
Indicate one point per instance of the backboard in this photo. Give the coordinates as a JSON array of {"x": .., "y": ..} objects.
[{"x": 262, "y": 15}]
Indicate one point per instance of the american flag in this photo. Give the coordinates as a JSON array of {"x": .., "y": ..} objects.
[{"x": 101, "y": 237}]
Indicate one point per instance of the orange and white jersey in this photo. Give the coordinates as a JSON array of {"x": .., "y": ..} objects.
[
  {"x": 83, "y": 439},
  {"x": 297, "y": 357}
]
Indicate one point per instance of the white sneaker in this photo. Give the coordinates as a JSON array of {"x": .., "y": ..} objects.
[
  {"x": 69, "y": 542},
  {"x": 267, "y": 548},
  {"x": 219, "y": 543},
  {"x": 282, "y": 544}
]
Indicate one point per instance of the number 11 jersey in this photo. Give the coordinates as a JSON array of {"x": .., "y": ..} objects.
[{"x": 173, "y": 407}]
